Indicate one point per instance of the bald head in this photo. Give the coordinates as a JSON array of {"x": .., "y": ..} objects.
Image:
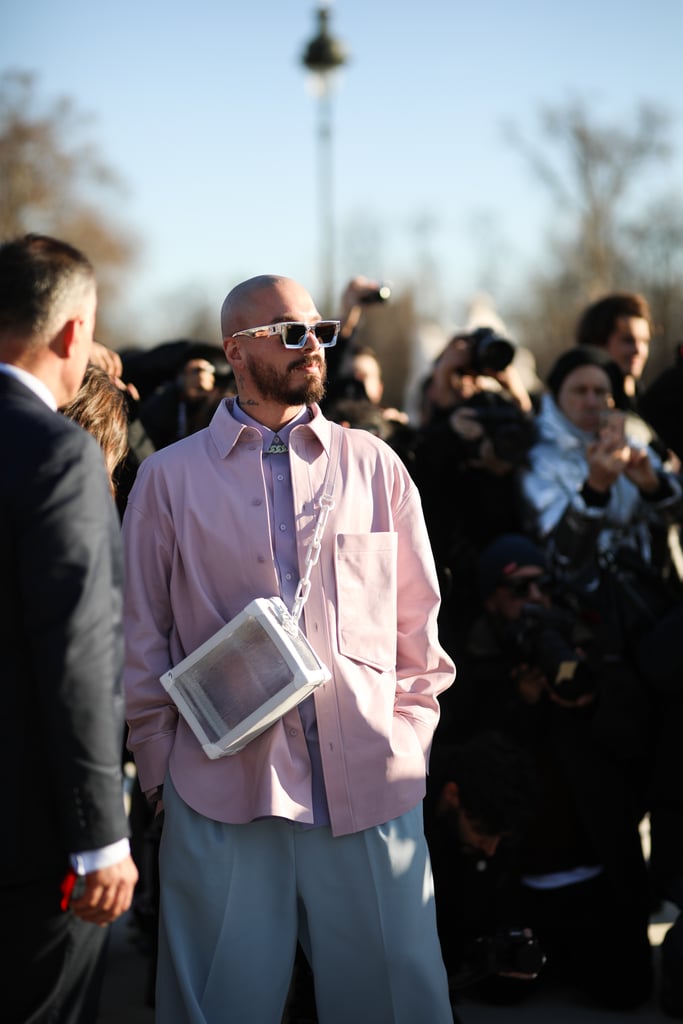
[
  {"x": 271, "y": 380},
  {"x": 267, "y": 295}
]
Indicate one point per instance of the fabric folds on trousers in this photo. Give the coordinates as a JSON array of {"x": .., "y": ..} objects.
[{"x": 236, "y": 898}]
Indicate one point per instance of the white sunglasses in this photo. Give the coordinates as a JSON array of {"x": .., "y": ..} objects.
[{"x": 293, "y": 333}]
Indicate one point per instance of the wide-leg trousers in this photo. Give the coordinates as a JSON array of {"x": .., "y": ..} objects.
[{"x": 235, "y": 899}]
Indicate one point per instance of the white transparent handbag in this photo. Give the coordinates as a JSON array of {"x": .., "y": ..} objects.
[{"x": 259, "y": 665}]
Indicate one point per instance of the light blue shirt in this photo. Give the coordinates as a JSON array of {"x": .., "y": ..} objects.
[{"x": 278, "y": 479}]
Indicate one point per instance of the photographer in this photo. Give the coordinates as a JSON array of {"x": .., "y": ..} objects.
[
  {"x": 358, "y": 294},
  {"x": 473, "y": 361},
  {"x": 355, "y": 382},
  {"x": 480, "y": 798},
  {"x": 605, "y": 505},
  {"x": 178, "y": 407},
  {"x": 466, "y": 463},
  {"x": 600, "y": 499},
  {"x": 532, "y": 670}
]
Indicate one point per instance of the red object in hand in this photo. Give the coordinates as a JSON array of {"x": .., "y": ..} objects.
[{"x": 67, "y": 887}]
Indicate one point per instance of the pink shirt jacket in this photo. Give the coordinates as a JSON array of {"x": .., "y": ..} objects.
[{"x": 198, "y": 549}]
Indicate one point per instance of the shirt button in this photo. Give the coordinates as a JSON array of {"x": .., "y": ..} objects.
[
  {"x": 261, "y": 558},
  {"x": 292, "y": 732},
  {"x": 256, "y": 501},
  {"x": 288, "y": 575},
  {"x": 283, "y": 527},
  {"x": 280, "y": 476}
]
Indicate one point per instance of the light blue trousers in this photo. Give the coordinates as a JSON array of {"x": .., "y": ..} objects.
[{"x": 235, "y": 898}]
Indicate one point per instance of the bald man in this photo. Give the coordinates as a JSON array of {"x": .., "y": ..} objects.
[{"x": 312, "y": 832}]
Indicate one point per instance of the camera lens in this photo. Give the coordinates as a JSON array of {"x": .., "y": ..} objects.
[
  {"x": 497, "y": 354},
  {"x": 490, "y": 351}
]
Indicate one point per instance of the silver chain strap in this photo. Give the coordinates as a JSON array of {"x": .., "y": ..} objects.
[
  {"x": 312, "y": 556},
  {"x": 291, "y": 619}
]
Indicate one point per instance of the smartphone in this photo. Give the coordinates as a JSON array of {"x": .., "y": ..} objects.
[{"x": 613, "y": 428}]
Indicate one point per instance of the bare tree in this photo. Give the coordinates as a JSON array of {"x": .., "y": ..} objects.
[
  {"x": 54, "y": 183},
  {"x": 655, "y": 245},
  {"x": 590, "y": 169},
  {"x": 599, "y": 164}
]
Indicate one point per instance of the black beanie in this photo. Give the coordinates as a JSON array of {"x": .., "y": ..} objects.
[
  {"x": 581, "y": 355},
  {"x": 504, "y": 556}
]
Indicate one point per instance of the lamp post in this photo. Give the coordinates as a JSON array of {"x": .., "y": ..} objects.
[{"x": 322, "y": 56}]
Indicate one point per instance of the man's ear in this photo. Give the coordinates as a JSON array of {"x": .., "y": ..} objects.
[
  {"x": 64, "y": 340},
  {"x": 233, "y": 351}
]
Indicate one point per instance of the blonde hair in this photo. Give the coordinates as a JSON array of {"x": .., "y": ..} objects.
[{"x": 100, "y": 408}]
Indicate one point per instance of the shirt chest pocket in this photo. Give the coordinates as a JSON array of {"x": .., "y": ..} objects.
[{"x": 365, "y": 566}]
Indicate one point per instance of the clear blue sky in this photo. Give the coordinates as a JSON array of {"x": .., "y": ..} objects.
[{"x": 202, "y": 109}]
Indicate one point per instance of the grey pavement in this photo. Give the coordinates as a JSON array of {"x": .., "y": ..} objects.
[
  {"x": 125, "y": 981},
  {"x": 124, "y": 995}
]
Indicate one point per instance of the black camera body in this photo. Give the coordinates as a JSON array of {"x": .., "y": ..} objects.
[
  {"x": 373, "y": 295},
  {"x": 489, "y": 352},
  {"x": 507, "y": 951},
  {"x": 512, "y": 951},
  {"x": 511, "y": 431},
  {"x": 544, "y": 638}
]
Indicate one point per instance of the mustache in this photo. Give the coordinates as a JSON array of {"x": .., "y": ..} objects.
[{"x": 309, "y": 360}]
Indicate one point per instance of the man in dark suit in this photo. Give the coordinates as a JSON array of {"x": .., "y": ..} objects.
[{"x": 61, "y": 716}]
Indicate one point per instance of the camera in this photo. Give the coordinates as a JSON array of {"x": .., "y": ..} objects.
[
  {"x": 512, "y": 951},
  {"x": 544, "y": 638},
  {"x": 380, "y": 294},
  {"x": 511, "y": 431},
  {"x": 507, "y": 951},
  {"x": 489, "y": 352}
]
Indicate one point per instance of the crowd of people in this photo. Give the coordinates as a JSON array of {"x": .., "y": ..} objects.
[
  {"x": 495, "y": 590},
  {"x": 555, "y": 526}
]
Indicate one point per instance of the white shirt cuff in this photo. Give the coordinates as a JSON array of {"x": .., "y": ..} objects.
[{"x": 93, "y": 860}]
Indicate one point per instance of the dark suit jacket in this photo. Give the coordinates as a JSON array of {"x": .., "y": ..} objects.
[{"x": 61, "y": 648}]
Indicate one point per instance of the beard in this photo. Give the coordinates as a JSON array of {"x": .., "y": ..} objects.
[{"x": 277, "y": 385}]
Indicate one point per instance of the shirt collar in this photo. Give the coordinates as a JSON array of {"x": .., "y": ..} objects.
[
  {"x": 31, "y": 382},
  {"x": 225, "y": 427},
  {"x": 266, "y": 433}
]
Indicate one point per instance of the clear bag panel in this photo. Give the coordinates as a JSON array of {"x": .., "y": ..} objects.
[{"x": 235, "y": 679}]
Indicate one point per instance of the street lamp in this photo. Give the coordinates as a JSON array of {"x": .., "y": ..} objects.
[{"x": 322, "y": 56}]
